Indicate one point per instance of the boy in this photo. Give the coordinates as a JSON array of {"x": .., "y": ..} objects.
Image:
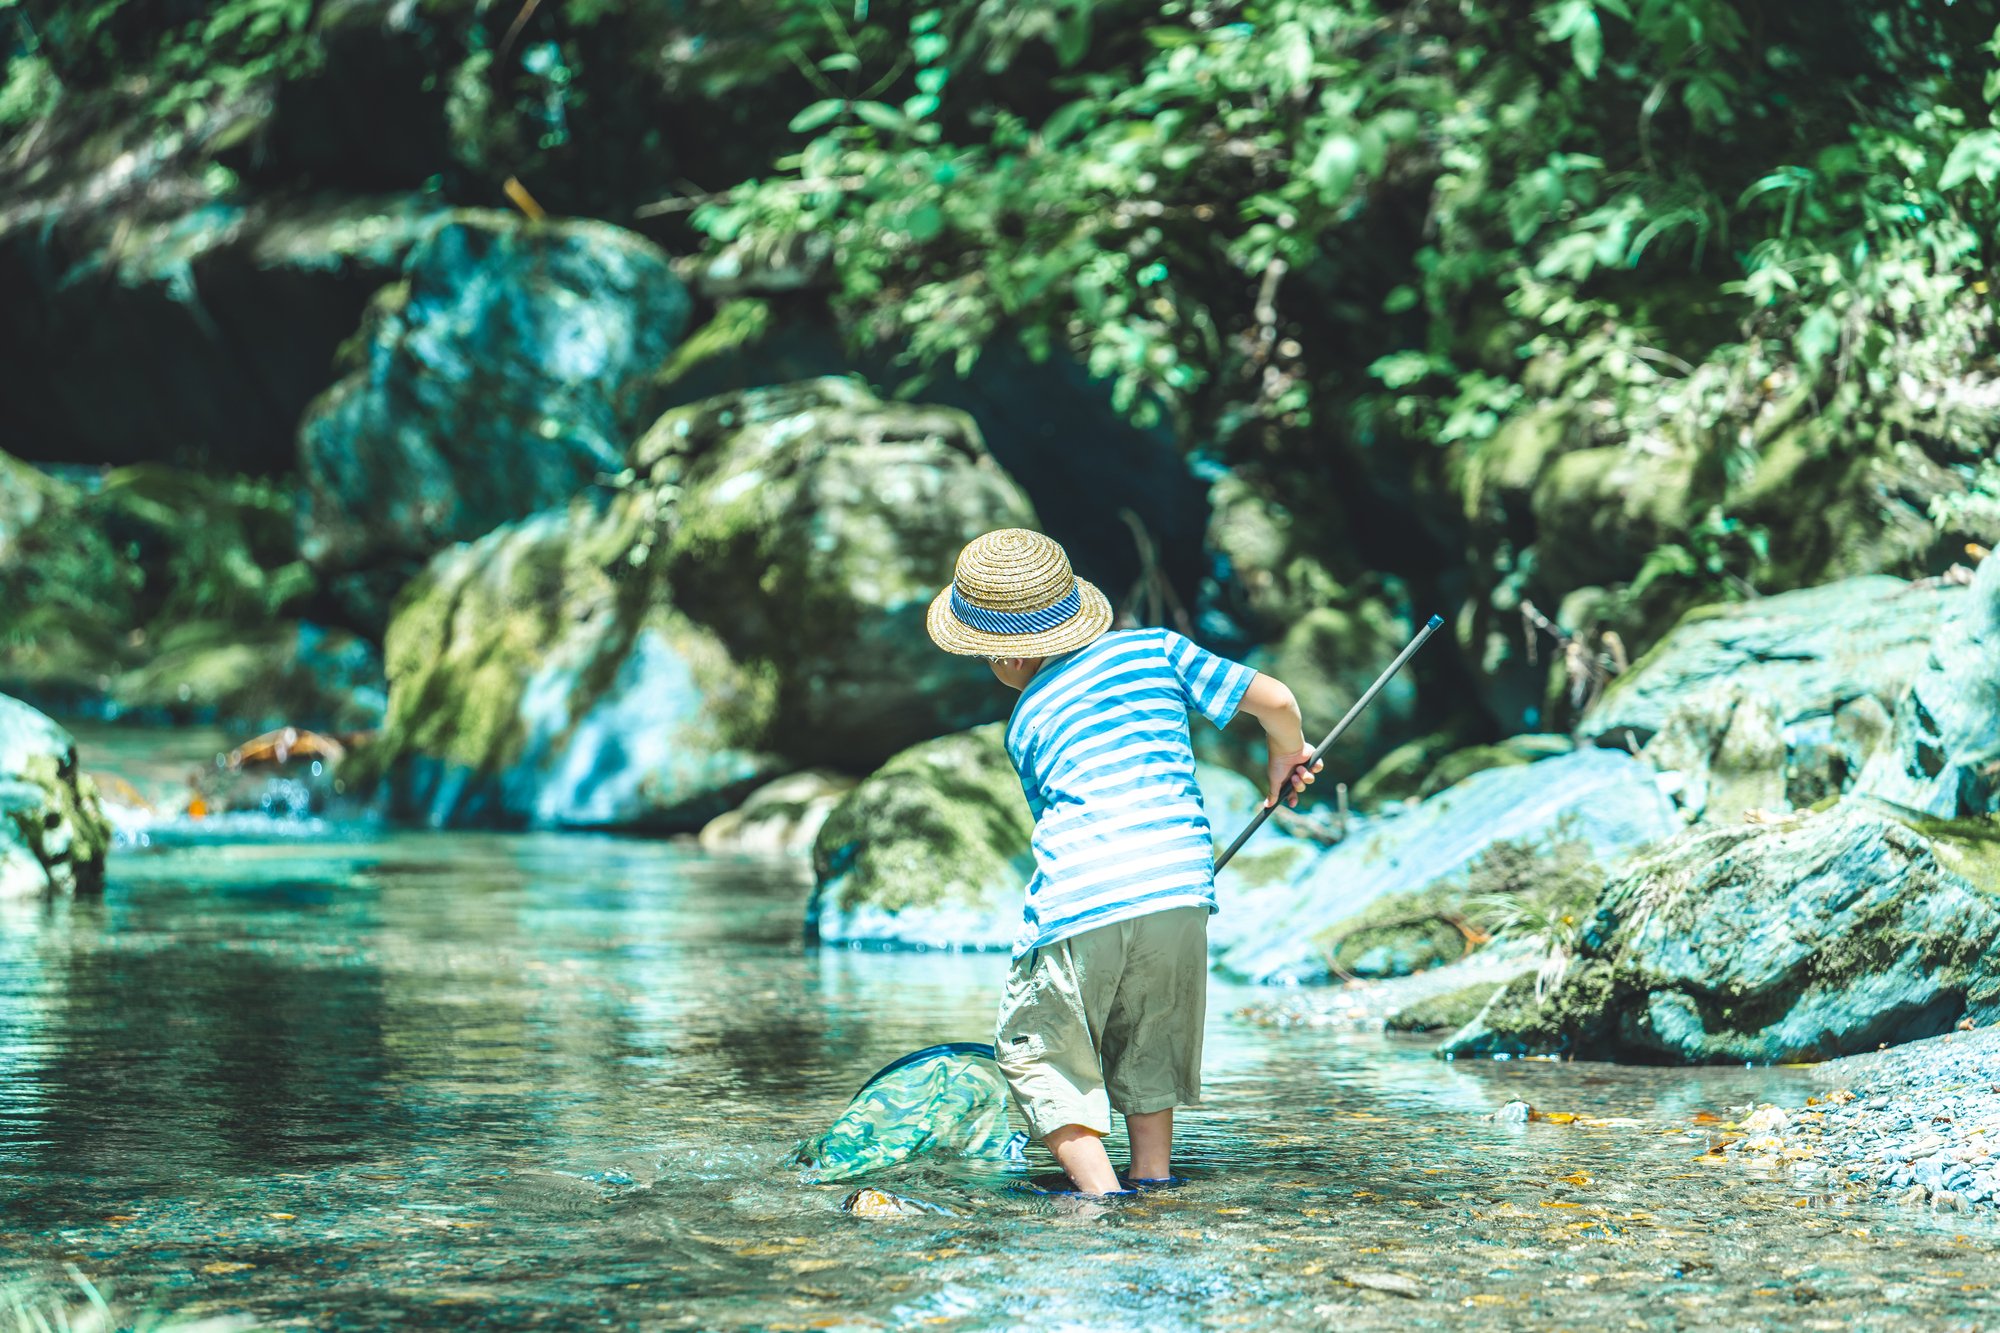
[{"x": 1105, "y": 1002}]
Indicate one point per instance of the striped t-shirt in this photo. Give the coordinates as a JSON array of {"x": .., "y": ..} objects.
[{"x": 1100, "y": 739}]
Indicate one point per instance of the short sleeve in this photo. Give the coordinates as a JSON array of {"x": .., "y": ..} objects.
[{"x": 1213, "y": 685}]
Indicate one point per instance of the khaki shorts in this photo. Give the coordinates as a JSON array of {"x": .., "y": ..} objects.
[{"x": 1107, "y": 1020}]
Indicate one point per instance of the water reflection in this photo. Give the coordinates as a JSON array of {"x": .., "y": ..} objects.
[{"x": 488, "y": 1079}]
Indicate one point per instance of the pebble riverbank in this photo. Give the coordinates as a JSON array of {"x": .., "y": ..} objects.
[{"x": 1916, "y": 1124}]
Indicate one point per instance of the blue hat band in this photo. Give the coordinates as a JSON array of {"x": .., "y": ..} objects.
[{"x": 1017, "y": 622}]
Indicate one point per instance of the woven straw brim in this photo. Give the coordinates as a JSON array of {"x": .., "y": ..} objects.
[{"x": 955, "y": 636}]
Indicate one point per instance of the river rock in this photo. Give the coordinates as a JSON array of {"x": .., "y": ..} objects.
[
  {"x": 503, "y": 373},
  {"x": 1814, "y": 937},
  {"x": 1943, "y": 754},
  {"x": 542, "y": 675},
  {"x": 930, "y": 851},
  {"x": 1600, "y": 804},
  {"x": 1777, "y": 703},
  {"x": 53, "y": 833},
  {"x": 811, "y": 525},
  {"x": 781, "y": 818}
]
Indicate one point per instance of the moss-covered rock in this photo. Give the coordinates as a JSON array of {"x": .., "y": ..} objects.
[
  {"x": 502, "y": 374},
  {"x": 53, "y": 834},
  {"x": 930, "y": 851},
  {"x": 811, "y": 524},
  {"x": 781, "y": 818},
  {"x": 1774, "y": 704},
  {"x": 1820, "y": 936},
  {"x": 1943, "y": 755},
  {"x": 1459, "y": 765},
  {"x": 1444, "y": 1013},
  {"x": 542, "y": 675}
]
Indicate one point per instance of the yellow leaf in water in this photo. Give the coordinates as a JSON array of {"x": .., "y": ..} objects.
[
  {"x": 1557, "y": 1117},
  {"x": 225, "y": 1266},
  {"x": 1231, "y": 1212},
  {"x": 1577, "y": 1179},
  {"x": 1559, "y": 1203},
  {"x": 1488, "y": 1298},
  {"x": 281, "y": 1217}
]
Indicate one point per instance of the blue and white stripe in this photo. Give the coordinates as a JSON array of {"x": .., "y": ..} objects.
[
  {"x": 1049, "y": 617},
  {"x": 1100, "y": 739}
]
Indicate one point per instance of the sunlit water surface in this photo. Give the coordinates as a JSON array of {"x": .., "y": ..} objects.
[{"x": 487, "y": 1081}]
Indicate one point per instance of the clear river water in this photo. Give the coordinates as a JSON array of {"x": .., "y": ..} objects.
[{"x": 353, "y": 1077}]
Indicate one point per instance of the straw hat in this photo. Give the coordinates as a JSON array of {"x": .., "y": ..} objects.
[{"x": 1015, "y": 596}]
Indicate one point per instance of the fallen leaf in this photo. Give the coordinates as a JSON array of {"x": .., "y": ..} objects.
[
  {"x": 1577, "y": 1179},
  {"x": 225, "y": 1266},
  {"x": 1556, "y": 1117}
]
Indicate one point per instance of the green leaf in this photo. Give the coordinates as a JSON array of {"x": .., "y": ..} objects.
[
  {"x": 816, "y": 115},
  {"x": 1334, "y": 167},
  {"x": 1818, "y": 337},
  {"x": 882, "y": 116},
  {"x": 840, "y": 62},
  {"x": 1587, "y": 44},
  {"x": 1977, "y": 154},
  {"x": 924, "y": 223}
]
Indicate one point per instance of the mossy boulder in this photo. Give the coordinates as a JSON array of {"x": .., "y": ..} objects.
[
  {"x": 53, "y": 833},
  {"x": 254, "y": 678},
  {"x": 543, "y": 676},
  {"x": 1942, "y": 756},
  {"x": 1405, "y": 875},
  {"x": 811, "y": 524},
  {"x": 929, "y": 851},
  {"x": 503, "y": 373},
  {"x": 1819, "y": 936},
  {"x": 1774, "y": 704},
  {"x": 781, "y": 818}
]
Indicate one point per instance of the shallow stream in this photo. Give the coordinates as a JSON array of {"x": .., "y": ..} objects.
[{"x": 352, "y": 1077}]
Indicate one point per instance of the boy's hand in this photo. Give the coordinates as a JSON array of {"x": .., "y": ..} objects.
[{"x": 1287, "y": 775}]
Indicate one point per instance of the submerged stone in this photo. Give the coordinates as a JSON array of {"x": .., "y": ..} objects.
[
  {"x": 781, "y": 818},
  {"x": 53, "y": 834}
]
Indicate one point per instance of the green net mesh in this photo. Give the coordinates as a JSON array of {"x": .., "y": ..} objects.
[{"x": 942, "y": 1101}]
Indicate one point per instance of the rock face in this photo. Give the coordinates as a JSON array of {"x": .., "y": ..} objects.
[
  {"x": 1817, "y": 937},
  {"x": 749, "y": 600},
  {"x": 53, "y": 833},
  {"x": 811, "y": 526},
  {"x": 500, "y": 376},
  {"x": 930, "y": 851},
  {"x": 1775, "y": 704},
  {"x": 1943, "y": 755},
  {"x": 540, "y": 675},
  {"x": 781, "y": 818},
  {"x": 1601, "y": 801}
]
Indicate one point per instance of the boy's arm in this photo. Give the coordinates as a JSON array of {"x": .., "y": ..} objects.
[{"x": 1272, "y": 704}]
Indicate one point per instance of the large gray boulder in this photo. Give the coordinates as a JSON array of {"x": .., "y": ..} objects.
[
  {"x": 1815, "y": 937},
  {"x": 505, "y": 372},
  {"x": 930, "y": 851},
  {"x": 53, "y": 833},
  {"x": 1943, "y": 756},
  {"x": 811, "y": 524},
  {"x": 541, "y": 676},
  {"x": 1778, "y": 703},
  {"x": 1598, "y": 804}
]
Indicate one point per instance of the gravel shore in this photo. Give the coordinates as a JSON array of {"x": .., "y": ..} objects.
[{"x": 1916, "y": 1124}]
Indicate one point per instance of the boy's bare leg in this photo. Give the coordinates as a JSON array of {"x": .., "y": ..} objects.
[
  {"x": 1081, "y": 1153},
  {"x": 1152, "y": 1138}
]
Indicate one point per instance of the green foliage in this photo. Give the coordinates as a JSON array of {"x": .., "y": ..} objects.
[{"x": 1683, "y": 217}]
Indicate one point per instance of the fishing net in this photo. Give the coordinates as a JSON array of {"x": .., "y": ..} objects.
[{"x": 942, "y": 1101}]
